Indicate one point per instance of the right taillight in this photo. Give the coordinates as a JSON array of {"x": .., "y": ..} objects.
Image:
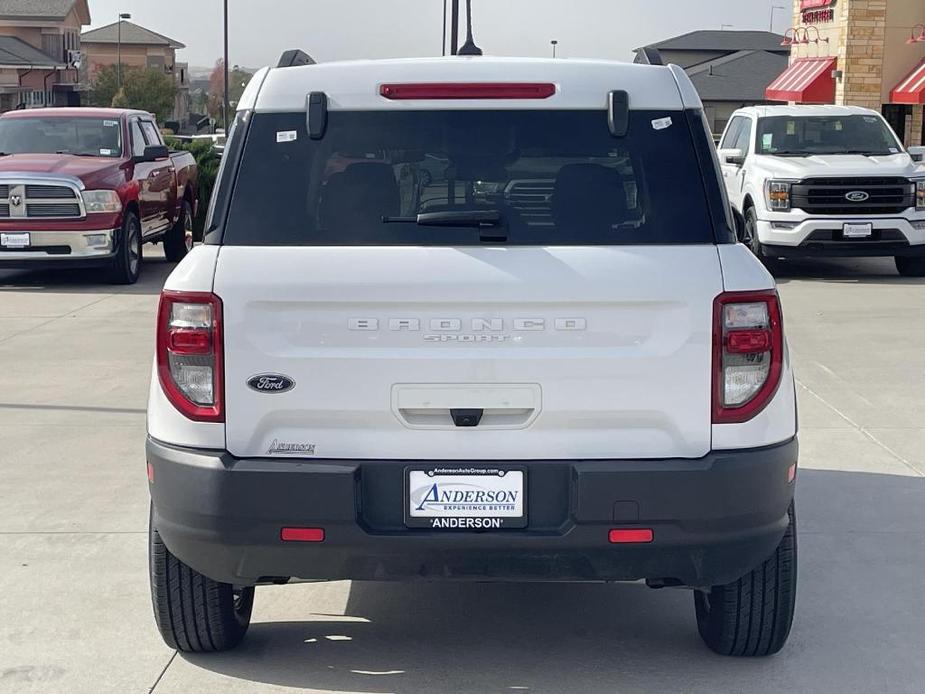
[
  {"x": 748, "y": 347},
  {"x": 189, "y": 353}
]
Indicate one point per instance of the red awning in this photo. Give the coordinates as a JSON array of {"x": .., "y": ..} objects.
[
  {"x": 806, "y": 81},
  {"x": 911, "y": 90},
  {"x": 813, "y": 4}
]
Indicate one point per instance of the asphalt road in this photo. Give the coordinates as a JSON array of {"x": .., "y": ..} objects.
[{"x": 75, "y": 615}]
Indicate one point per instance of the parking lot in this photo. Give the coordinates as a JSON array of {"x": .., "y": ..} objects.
[{"x": 76, "y": 613}]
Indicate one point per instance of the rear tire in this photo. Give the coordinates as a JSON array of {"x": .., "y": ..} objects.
[
  {"x": 179, "y": 240},
  {"x": 194, "y": 613},
  {"x": 752, "y": 616},
  {"x": 126, "y": 264},
  {"x": 909, "y": 266}
]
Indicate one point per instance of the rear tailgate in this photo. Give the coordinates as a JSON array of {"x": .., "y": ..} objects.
[{"x": 594, "y": 352}]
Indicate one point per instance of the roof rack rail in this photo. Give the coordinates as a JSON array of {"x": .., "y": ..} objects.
[{"x": 294, "y": 57}]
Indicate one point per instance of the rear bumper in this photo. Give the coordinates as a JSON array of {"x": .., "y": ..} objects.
[
  {"x": 713, "y": 519},
  {"x": 61, "y": 249}
]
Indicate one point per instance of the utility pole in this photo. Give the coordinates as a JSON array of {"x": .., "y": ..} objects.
[
  {"x": 225, "y": 61},
  {"x": 122, "y": 15},
  {"x": 454, "y": 27}
]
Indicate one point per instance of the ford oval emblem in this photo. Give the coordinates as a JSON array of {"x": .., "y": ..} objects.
[
  {"x": 271, "y": 383},
  {"x": 857, "y": 196}
]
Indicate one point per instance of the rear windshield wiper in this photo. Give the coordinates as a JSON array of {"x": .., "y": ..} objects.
[{"x": 452, "y": 218}]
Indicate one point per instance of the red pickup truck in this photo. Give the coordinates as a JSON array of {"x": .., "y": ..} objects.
[{"x": 88, "y": 187}]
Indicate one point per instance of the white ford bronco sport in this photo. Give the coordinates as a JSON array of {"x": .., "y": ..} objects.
[
  {"x": 814, "y": 181},
  {"x": 472, "y": 319}
]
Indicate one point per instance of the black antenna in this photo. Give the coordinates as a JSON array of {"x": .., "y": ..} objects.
[{"x": 469, "y": 47}]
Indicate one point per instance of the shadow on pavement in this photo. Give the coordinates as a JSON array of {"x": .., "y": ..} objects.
[
  {"x": 87, "y": 281},
  {"x": 843, "y": 271},
  {"x": 858, "y": 627}
]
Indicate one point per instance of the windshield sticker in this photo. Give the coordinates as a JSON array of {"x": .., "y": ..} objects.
[
  {"x": 893, "y": 150},
  {"x": 767, "y": 140},
  {"x": 661, "y": 123},
  {"x": 111, "y": 123},
  {"x": 791, "y": 127},
  {"x": 106, "y": 152},
  {"x": 286, "y": 136}
]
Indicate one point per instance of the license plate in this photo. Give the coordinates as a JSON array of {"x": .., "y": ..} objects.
[
  {"x": 18, "y": 240},
  {"x": 465, "y": 498},
  {"x": 857, "y": 231}
]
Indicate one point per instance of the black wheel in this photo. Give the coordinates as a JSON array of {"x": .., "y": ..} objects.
[
  {"x": 126, "y": 264},
  {"x": 179, "y": 240},
  {"x": 752, "y": 616},
  {"x": 749, "y": 237},
  {"x": 194, "y": 613},
  {"x": 910, "y": 266}
]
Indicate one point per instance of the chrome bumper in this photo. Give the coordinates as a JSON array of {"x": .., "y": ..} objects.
[{"x": 62, "y": 246}]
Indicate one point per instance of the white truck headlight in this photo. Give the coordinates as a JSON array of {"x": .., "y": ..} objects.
[
  {"x": 920, "y": 195},
  {"x": 102, "y": 201},
  {"x": 777, "y": 195}
]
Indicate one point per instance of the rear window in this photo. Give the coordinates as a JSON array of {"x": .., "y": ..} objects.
[{"x": 540, "y": 177}]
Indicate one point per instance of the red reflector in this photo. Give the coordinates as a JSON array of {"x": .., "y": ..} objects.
[
  {"x": 792, "y": 473},
  {"x": 628, "y": 536},
  {"x": 150, "y": 473},
  {"x": 186, "y": 341},
  {"x": 302, "y": 534},
  {"x": 748, "y": 341},
  {"x": 456, "y": 90}
]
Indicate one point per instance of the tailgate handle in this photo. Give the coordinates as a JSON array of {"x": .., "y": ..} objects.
[
  {"x": 466, "y": 418},
  {"x": 466, "y": 405}
]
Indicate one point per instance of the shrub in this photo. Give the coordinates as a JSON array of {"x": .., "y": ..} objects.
[{"x": 207, "y": 160}]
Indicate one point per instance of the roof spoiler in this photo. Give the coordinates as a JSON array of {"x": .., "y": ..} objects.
[
  {"x": 649, "y": 55},
  {"x": 294, "y": 57}
]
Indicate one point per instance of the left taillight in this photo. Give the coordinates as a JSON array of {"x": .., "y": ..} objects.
[
  {"x": 748, "y": 353},
  {"x": 189, "y": 353}
]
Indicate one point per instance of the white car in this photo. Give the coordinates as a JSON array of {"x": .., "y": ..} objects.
[
  {"x": 472, "y": 319},
  {"x": 825, "y": 181}
]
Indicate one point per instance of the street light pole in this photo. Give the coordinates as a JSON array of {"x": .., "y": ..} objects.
[
  {"x": 774, "y": 8},
  {"x": 122, "y": 15},
  {"x": 454, "y": 27},
  {"x": 225, "y": 61}
]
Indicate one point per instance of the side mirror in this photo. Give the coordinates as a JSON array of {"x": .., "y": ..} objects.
[
  {"x": 153, "y": 153},
  {"x": 732, "y": 156},
  {"x": 739, "y": 219},
  {"x": 917, "y": 153}
]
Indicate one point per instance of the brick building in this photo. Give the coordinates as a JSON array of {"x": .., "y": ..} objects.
[
  {"x": 859, "y": 52},
  {"x": 139, "y": 48},
  {"x": 40, "y": 52}
]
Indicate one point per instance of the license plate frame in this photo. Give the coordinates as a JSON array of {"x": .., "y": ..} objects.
[
  {"x": 14, "y": 240},
  {"x": 857, "y": 230},
  {"x": 477, "y": 478}
]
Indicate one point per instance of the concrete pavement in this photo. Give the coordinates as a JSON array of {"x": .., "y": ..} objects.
[{"x": 76, "y": 616}]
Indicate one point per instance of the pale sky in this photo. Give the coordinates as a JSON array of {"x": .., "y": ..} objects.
[{"x": 342, "y": 29}]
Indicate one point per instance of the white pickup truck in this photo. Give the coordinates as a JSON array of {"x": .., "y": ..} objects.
[
  {"x": 479, "y": 319},
  {"x": 816, "y": 181}
]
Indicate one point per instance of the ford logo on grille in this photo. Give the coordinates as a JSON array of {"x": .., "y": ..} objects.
[
  {"x": 857, "y": 196},
  {"x": 271, "y": 383}
]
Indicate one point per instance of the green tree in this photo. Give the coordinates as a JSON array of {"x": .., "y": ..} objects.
[
  {"x": 148, "y": 89},
  {"x": 103, "y": 86}
]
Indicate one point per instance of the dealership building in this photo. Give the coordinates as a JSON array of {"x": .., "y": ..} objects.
[{"x": 862, "y": 53}]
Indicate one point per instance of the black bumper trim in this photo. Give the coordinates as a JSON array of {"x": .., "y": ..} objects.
[{"x": 714, "y": 518}]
